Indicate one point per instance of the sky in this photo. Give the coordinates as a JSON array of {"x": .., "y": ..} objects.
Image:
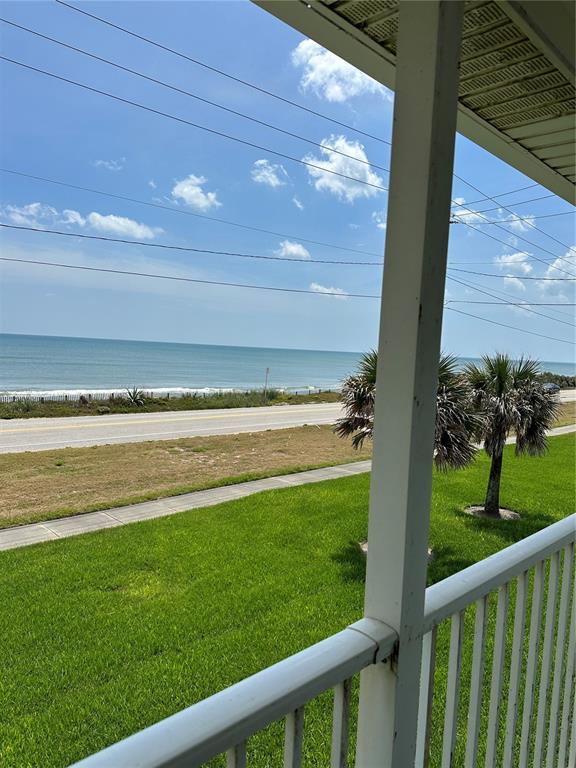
[{"x": 62, "y": 132}]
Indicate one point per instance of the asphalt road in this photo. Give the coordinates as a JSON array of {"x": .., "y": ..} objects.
[{"x": 18, "y": 435}]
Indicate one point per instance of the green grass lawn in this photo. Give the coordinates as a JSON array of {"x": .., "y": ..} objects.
[{"x": 108, "y": 632}]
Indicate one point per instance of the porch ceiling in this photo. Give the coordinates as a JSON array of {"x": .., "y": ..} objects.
[{"x": 516, "y": 93}]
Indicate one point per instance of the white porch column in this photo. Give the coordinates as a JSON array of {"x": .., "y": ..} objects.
[{"x": 409, "y": 345}]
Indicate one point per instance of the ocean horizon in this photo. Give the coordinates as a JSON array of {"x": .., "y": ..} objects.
[{"x": 72, "y": 365}]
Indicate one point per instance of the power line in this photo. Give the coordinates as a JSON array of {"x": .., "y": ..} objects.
[
  {"x": 188, "y": 249},
  {"x": 497, "y": 293},
  {"x": 236, "y": 139},
  {"x": 187, "y": 213},
  {"x": 521, "y": 218},
  {"x": 327, "y": 292},
  {"x": 251, "y": 256},
  {"x": 505, "y": 208},
  {"x": 503, "y": 302},
  {"x": 246, "y": 83},
  {"x": 252, "y": 287},
  {"x": 192, "y": 124},
  {"x": 522, "y": 202},
  {"x": 469, "y": 211},
  {"x": 526, "y": 253},
  {"x": 534, "y": 216},
  {"x": 505, "y": 194},
  {"x": 491, "y": 274},
  {"x": 265, "y": 149},
  {"x": 193, "y": 95},
  {"x": 512, "y": 327},
  {"x": 221, "y": 72}
]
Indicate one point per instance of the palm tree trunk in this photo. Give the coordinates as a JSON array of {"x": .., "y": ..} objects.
[{"x": 492, "y": 503}]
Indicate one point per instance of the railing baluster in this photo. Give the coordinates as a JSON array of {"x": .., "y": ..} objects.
[
  {"x": 452, "y": 688},
  {"x": 533, "y": 642},
  {"x": 551, "y": 600},
  {"x": 340, "y": 725},
  {"x": 426, "y": 697},
  {"x": 294, "y": 731},
  {"x": 568, "y": 682},
  {"x": 559, "y": 657},
  {"x": 236, "y": 757},
  {"x": 497, "y": 670},
  {"x": 476, "y": 681},
  {"x": 515, "y": 667}
]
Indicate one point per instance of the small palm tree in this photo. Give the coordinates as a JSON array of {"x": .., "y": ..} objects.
[
  {"x": 508, "y": 397},
  {"x": 455, "y": 420}
]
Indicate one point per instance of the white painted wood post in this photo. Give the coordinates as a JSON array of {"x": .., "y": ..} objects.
[{"x": 409, "y": 346}]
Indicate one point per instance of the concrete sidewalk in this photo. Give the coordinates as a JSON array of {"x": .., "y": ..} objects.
[{"x": 61, "y": 528}]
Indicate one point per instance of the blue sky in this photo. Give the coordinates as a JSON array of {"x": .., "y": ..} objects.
[{"x": 56, "y": 130}]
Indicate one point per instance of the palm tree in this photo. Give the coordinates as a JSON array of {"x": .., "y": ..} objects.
[
  {"x": 455, "y": 420},
  {"x": 508, "y": 397}
]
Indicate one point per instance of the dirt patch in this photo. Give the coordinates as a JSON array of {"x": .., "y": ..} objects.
[
  {"x": 47, "y": 484},
  {"x": 505, "y": 514}
]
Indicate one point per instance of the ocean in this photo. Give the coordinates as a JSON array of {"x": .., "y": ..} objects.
[{"x": 60, "y": 365}]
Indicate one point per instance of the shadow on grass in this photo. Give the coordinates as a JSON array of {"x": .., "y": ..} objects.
[
  {"x": 352, "y": 562},
  {"x": 509, "y": 531}
]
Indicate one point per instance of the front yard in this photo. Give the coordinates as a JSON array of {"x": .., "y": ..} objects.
[{"x": 106, "y": 633}]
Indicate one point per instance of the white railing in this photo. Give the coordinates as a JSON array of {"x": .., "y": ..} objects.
[{"x": 525, "y": 717}]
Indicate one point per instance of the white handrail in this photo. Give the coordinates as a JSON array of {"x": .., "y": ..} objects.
[
  {"x": 210, "y": 727},
  {"x": 465, "y": 587}
]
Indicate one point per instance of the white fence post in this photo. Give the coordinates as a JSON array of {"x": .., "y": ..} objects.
[{"x": 410, "y": 329}]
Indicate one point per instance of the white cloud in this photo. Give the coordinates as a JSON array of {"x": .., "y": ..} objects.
[
  {"x": 152, "y": 184},
  {"x": 73, "y": 218},
  {"x": 272, "y": 174},
  {"x": 122, "y": 226},
  {"x": 516, "y": 262},
  {"x": 110, "y": 165},
  {"x": 190, "y": 191},
  {"x": 330, "y": 77},
  {"x": 337, "y": 293},
  {"x": 514, "y": 282},
  {"x": 297, "y": 203},
  {"x": 30, "y": 215},
  {"x": 461, "y": 213},
  {"x": 519, "y": 224},
  {"x": 347, "y": 190},
  {"x": 291, "y": 250},
  {"x": 379, "y": 218},
  {"x": 560, "y": 291}
]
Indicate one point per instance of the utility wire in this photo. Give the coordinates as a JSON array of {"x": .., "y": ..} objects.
[
  {"x": 188, "y": 249},
  {"x": 253, "y": 287},
  {"x": 192, "y": 124},
  {"x": 190, "y": 279},
  {"x": 244, "y": 82},
  {"x": 194, "y": 96},
  {"x": 459, "y": 219},
  {"x": 257, "y": 146},
  {"x": 221, "y": 72},
  {"x": 509, "y": 210},
  {"x": 533, "y": 216},
  {"x": 501, "y": 277},
  {"x": 526, "y": 253},
  {"x": 250, "y": 256},
  {"x": 181, "y": 211},
  {"x": 505, "y": 325},
  {"x": 241, "y": 141},
  {"x": 503, "y": 302},
  {"x": 497, "y": 293}
]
